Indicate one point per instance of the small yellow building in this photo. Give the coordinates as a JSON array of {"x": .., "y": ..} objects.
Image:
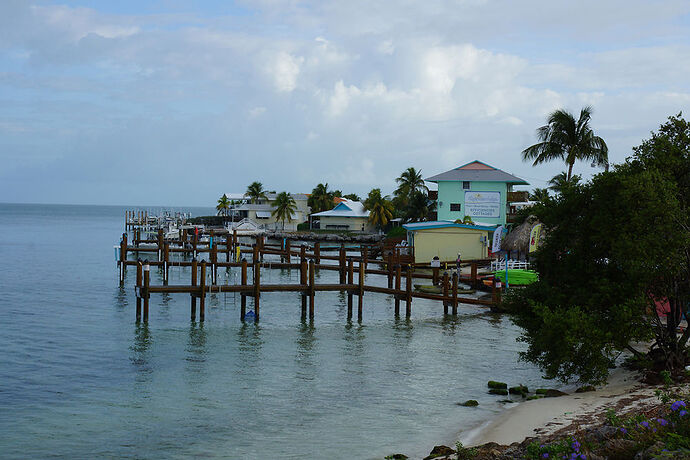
[
  {"x": 445, "y": 239},
  {"x": 347, "y": 215}
]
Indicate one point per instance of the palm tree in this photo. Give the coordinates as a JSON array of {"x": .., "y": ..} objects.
[
  {"x": 223, "y": 205},
  {"x": 560, "y": 182},
  {"x": 568, "y": 139},
  {"x": 352, "y": 196},
  {"x": 409, "y": 182},
  {"x": 285, "y": 207},
  {"x": 255, "y": 192},
  {"x": 380, "y": 208},
  {"x": 419, "y": 207},
  {"x": 321, "y": 199},
  {"x": 539, "y": 194}
]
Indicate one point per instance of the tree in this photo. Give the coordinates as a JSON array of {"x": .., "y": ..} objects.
[
  {"x": 255, "y": 192},
  {"x": 285, "y": 207},
  {"x": 321, "y": 199},
  {"x": 568, "y": 139},
  {"x": 380, "y": 208},
  {"x": 409, "y": 182},
  {"x": 605, "y": 265},
  {"x": 560, "y": 181},
  {"x": 419, "y": 207},
  {"x": 223, "y": 205},
  {"x": 353, "y": 197},
  {"x": 539, "y": 194}
]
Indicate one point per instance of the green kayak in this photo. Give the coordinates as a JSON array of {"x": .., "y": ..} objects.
[{"x": 517, "y": 277}]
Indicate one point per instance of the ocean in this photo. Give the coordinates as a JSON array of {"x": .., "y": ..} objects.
[{"x": 79, "y": 378}]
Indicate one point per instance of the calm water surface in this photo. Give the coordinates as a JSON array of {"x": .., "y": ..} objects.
[{"x": 79, "y": 378}]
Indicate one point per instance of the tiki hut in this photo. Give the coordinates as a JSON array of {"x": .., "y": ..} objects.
[{"x": 518, "y": 238}]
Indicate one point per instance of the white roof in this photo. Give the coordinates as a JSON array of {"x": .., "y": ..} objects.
[
  {"x": 346, "y": 208},
  {"x": 263, "y": 214},
  {"x": 270, "y": 196}
]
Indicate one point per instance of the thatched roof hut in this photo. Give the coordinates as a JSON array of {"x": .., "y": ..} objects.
[{"x": 518, "y": 238}]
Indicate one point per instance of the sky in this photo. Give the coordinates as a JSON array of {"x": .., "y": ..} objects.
[{"x": 174, "y": 103}]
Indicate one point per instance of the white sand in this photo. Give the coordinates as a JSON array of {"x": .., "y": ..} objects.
[{"x": 545, "y": 416}]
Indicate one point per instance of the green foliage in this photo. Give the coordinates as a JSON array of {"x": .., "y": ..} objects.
[
  {"x": 321, "y": 199},
  {"x": 612, "y": 419},
  {"x": 285, "y": 207},
  {"x": 603, "y": 262},
  {"x": 465, "y": 453},
  {"x": 560, "y": 182},
  {"x": 352, "y": 196},
  {"x": 497, "y": 385},
  {"x": 568, "y": 139},
  {"x": 255, "y": 192},
  {"x": 396, "y": 232},
  {"x": 303, "y": 227},
  {"x": 223, "y": 205},
  {"x": 539, "y": 194},
  {"x": 411, "y": 198},
  {"x": 556, "y": 449},
  {"x": 380, "y": 208}
]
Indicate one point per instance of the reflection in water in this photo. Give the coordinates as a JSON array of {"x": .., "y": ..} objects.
[
  {"x": 140, "y": 352},
  {"x": 121, "y": 297},
  {"x": 495, "y": 319},
  {"x": 196, "y": 343},
  {"x": 449, "y": 323}
]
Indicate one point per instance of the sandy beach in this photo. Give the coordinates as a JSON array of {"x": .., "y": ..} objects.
[{"x": 543, "y": 417}]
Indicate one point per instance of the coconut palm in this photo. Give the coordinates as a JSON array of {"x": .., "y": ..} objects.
[
  {"x": 539, "y": 194},
  {"x": 223, "y": 205},
  {"x": 321, "y": 199},
  {"x": 352, "y": 196},
  {"x": 409, "y": 182},
  {"x": 380, "y": 208},
  {"x": 255, "y": 192},
  {"x": 419, "y": 207},
  {"x": 568, "y": 139},
  {"x": 560, "y": 182},
  {"x": 285, "y": 207}
]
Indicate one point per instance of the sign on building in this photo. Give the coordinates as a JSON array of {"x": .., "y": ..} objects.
[{"x": 483, "y": 204}]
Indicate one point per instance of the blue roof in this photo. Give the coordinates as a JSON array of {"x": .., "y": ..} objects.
[{"x": 444, "y": 224}]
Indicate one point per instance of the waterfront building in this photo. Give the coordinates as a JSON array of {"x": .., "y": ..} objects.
[
  {"x": 260, "y": 213},
  {"x": 347, "y": 215},
  {"x": 444, "y": 239},
  {"x": 477, "y": 190}
]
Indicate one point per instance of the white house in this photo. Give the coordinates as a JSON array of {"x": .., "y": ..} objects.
[
  {"x": 261, "y": 211},
  {"x": 347, "y": 215}
]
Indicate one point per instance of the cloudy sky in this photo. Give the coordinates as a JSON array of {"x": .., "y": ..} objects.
[{"x": 176, "y": 102}]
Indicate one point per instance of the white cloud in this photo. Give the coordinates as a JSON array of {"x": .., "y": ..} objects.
[{"x": 284, "y": 69}]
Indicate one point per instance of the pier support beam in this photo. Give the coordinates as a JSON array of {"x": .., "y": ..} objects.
[
  {"x": 145, "y": 290},
  {"x": 455, "y": 293},
  {"x": 194, "y": 277},
  {"x": 398, "y": 275},
  {"x": 202, "y": 292},
  {"x": 243, "y": 295}
]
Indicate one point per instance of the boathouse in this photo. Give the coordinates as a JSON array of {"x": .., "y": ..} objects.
[
  {"x": 477, "y": 190},
  {"x": 347, "y": 215},
  {"x": 444, "y": 239}
]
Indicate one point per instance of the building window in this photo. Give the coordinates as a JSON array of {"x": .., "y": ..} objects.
[
  {"x": 455, "y": 207},
  {"x": 466, "y": 185}
]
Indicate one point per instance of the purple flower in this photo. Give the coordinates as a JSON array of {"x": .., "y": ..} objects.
[
  {"x": 645, "y": 424},
  {"x": 583, "y": 456},
  {"x": 545, "y": 455},
  {"x": 662, "y": 422},
  {"x": 576, "y": 446},
  {"x": 683, "y": 413},
  {"x": 677, "y": 405},
  {"x": 624, "y": 431}
]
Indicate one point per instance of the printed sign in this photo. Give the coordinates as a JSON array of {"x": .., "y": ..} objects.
[
  {"x": 496, "y": 243},
  {"x": 483, "y": 204},
  {"x": 534, "y": 238}
]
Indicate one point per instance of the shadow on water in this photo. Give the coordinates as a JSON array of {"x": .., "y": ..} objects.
[
  {"x": 304, "y": 358},
  {"x": 450, "y": 323},
  {"x": 121, "y": 297},
  {"x": 140, "y": 351}
]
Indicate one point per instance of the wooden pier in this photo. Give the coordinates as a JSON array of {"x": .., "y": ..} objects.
[{"x": 307, "y": 260}]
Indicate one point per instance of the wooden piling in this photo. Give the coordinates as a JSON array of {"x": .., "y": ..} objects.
[
  {"x": 445, "y": 293},
  {"x": 145, "y": 291},
  {"x": 243, "y": 296},
  {"x": 398, "y": 275},
  {"x": 473, "y": 275},
  {"x": 303, "y": 281},
  {"x": 311, "y": 289},
  {"x": 202, "y": 291},
  {"x": 194, "y": 277},
  {"x": 138, "y": 288},
  {"x": 341, "y": 263},
  {"x": 360, "y": 293},
  {"x": 288, "y": 256},
  {"x": 166, "y": 263},
  {"x": 257, "y": 288},
  {"x": 255, "y": 253},
  {"x": 408, "y": 292},
  {"x": 350, "y": 281},
  {"x": 455, "y": 293},
  {"x": 434, "y": 275},
  {"x": 390, "y": 271},
  {"x": 317, "y": 252}
]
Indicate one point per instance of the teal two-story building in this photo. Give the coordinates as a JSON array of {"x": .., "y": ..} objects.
[{"x": 477, "y": 190}]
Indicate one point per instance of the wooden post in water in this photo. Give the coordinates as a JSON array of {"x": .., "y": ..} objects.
[
  {"x": 360, "y": 293},
  {"x": 194, "y": 277},
  {"x": 473, "y": 275},
  {"x": 214, "y": 263},
  {"x": 243, "y": 295},
  {"x": 445, "y": 293},
  {"x": 455, "y": 293},
  {"x": 140, "y": 269},
  {"x": 255, "y": 253},
  {"x": 123, "y": 257},
  {"x": 350, "y": 281},
  {"x": 303, "y": 281},
  {"x": 288, "y": 255},
  {"x": 228, "y": 247},
  {"x": 311, "y": 289},
  {"x": 302, "y": 253},
  {"x": 408, "y": 293},
  {"x": 160, "y": 244},
  {"x": 202, "y": 291},
  {"x": 434, "y": 275},
  {"x": 166, "y": 263},
  {"x": 398, "y": 275},
  {"x": 342, "y": 264},
  {"x": 235, "y": 243},
  {"x": 257, "y": 288},
  {"x": 365, "y": 256},
  {"x": 390, "y": 270},
  {"x": 317, "y": 252},
  {"x": 145, "y": 293}
]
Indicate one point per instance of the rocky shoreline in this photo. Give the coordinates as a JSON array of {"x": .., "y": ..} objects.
[{"x": 332, "y": 237}]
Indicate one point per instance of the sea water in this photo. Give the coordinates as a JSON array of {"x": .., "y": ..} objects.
[{"x": 79, "y": 378}]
